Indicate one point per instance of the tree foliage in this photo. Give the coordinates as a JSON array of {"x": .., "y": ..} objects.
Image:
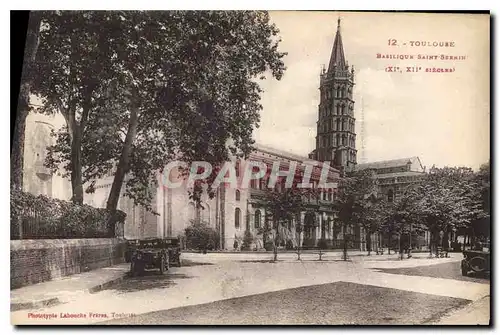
[
  {"x": 282, "y": 206},
  {"x": 181, "y": 85},
  {"x": 200, "y": 236}
]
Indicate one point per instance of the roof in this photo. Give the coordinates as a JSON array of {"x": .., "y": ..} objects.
[
  {"x": 337, "y": 57},
  {"x": 399, "y": 174},
  {"x": 287, "y": 155},
  {"x": 387, "y": 164},
  {"x": 282, "y": 153}
]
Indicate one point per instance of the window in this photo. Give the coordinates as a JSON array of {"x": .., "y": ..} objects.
[
  {"x": 237, "y": 195},
  {"x": 237, "y": 168},
  {"x": 262, "y": 184},
  {"x": 237, "y": 218},
  {"x": 257, "y": 219},
  {"x": 390, "y": 196},
  {"x": 253, "y": 183}
]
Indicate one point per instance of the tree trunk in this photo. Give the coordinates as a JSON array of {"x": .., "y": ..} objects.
[
  {"x": 17, "y": 150},
  {"x": 123, "y": 163},
  {"x": 400, "y": 247},
  {"x": 369, "y": 243},
  {"x": 345, "y": 244},
  {"x": 76, "y": 166},
  {"x": 275, "y": 248}
]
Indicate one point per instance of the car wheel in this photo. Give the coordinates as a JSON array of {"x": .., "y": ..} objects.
[
  {"x": 478, "y": 264},
  {"x": 162, "y": 265},
  {"x": 167, "y": 262}
]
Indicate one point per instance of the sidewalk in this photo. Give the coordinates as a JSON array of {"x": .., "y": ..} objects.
[
  {"x": 67, "y": 288},
  {"x": 476, "y": 313}
]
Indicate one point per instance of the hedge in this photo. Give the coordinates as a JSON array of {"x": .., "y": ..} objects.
[{"x": 42, "y": 217}]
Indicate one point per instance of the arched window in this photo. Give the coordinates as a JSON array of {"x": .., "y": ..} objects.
[
  {"x": 237, "y": 218},
  {"x": 338, "y": 124},
  {"x": 237, "y": 196},
  {"x": 257, "y": 219},
  {"x": 390, "y": 196},
  {"x": 237, "y": 167},
  {"x": 343, "y": 140},
  {"x": 338, "y": 139}
]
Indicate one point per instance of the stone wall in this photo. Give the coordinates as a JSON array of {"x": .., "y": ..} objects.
[{"x": 35, "y": 261}]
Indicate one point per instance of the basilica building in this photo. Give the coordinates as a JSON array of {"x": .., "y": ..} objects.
[{"x": 235, "y": 210}]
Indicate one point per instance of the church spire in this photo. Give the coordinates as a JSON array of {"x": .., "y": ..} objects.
[{"x": 337, "y": 58}]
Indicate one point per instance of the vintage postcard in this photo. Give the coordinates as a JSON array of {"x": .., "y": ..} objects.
[{"x": 252, "y": 168}]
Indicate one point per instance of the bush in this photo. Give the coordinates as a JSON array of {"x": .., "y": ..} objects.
[
  {"x": 247, "y": 241},
  {"x": 200, "y": 236},
  {"x": 322, "y": 244},
  {"x": 42, "y": 217},
  {"x": 269, "y": 246}
]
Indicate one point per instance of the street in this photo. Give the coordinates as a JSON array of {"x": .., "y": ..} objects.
[{"x": 249, "y": 289}]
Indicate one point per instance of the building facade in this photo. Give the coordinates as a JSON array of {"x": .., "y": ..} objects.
[
  {"x": 336, "y": 134},
  {"x": 234, "y": 210},
  {"x": 393, "y": 177}
]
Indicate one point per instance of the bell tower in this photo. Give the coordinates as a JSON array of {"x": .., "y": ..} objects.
[{"x": 336, "y": 136}]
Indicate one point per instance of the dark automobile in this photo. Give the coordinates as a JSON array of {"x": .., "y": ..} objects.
[
  {"x": 150, "y": 254},
  {"x": 131, "y": 246},
  {"x": 476, "y": 261},
  {"x": 174, "y": 251}
]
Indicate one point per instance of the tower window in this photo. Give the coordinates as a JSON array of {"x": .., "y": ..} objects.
[
  {"x": 237, "y": 195},
  {"x": 257, "y": 219},
  {"x": 237, "y": 218}
]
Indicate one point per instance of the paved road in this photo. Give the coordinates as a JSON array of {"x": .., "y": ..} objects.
[
  {"x": 223, "y": 283},
  {"x": 338, "y": 303}
]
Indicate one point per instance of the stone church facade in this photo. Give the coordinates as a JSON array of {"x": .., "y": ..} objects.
[{"x": 235, "y": 210}]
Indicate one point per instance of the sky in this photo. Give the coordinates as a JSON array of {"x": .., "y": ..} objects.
[{"x": 444, "y": 118}]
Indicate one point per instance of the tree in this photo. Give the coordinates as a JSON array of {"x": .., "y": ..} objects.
[
  {"x": 23, "y": 107},
  {"x": 450, "y": 201},
  {"x": 200, "y": 236},
  {"x": 354, "y": 190},
  {"x": 183, "y": 86},
  {"x": 403, "y": 217},
  {"x": 247, "y": 241},
  {"x": 282, "y": 205},
  {"x": 372, "y": 213}
]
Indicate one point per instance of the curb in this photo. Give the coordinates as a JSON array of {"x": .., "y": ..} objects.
[
  {"x": 53, "y": 301},
  {"x": 14, "y": 307}
]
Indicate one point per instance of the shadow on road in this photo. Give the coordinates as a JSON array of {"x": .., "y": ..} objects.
[
  {"x": 148, "y": 281},
  {"x": 450, "y": 270},
  {"x": 188, "y": 263}
]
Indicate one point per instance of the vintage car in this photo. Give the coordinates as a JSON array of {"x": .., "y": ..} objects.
[
  {"x": 476, "y": 261},
  {"x": 150, "y": 254},
  {"x": 131, "y": 246},
  {"x": 174, "y": 251}
]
